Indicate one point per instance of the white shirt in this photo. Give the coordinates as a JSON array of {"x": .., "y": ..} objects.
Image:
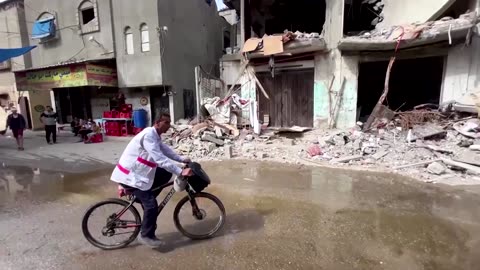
[{"x": 137, "y": 165}]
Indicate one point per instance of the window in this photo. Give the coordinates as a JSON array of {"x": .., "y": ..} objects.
[
  {"x": 128, "y": 40},
  {"x": 145, "y": 38},
  {"x": 87, "y": 16}
]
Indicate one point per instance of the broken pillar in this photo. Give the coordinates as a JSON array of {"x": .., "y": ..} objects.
[{"x": 228, "y": 151}]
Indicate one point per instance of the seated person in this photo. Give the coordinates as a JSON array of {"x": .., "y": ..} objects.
[
  {"x": 95, "y": 130},
  {"x": 85, "y": 130},
  {"x": 76, "y": 125}
]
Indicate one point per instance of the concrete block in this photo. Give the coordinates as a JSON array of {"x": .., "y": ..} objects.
[
  {"x": 436, "y": 168},
  {"x": 209, "y": 138},
  {"x": 218, "y": 132},
  {"x": 227, "y": 149}
]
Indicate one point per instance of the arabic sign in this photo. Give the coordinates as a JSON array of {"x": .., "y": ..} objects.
[
  {"x": 101, "y": 75},
  {"x": 69, "y": 76}
]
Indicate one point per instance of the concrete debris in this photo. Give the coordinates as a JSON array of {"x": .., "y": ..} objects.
[
  {"x": 380, "y": 154},
  {"x": 475, "y": 147},
  {"x": 347, "y": 159},
  {"x": 419, "y": 30},
  {"x": 436, "y": 168},
  {"x": 437, "y": 142},
  {"x": 209, "y": 138},
  {"x": 228, "y": 151}
]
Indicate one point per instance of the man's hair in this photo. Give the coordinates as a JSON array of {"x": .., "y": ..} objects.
[
  {"x": 48, "y": 106},
  {"x": 161, "y": 117}
]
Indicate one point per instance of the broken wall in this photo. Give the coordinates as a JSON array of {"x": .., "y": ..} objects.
[
  {"x": 409, "y": 11},
  {"x": 462, "y": 69},
  {"x": 229, "y": 73},
  {"x": 345, "y": 70},
  {"x": 343, "y": 92},
  {"x": 462, "y": 72}
]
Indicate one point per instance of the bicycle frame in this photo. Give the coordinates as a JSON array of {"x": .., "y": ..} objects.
[{"x": 161, "y": 206}]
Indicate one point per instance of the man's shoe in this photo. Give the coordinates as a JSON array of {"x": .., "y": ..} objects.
[{"x": 151, "y": 242}]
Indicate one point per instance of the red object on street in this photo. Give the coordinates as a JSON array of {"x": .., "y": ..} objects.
[
  {"x": 314, "y": 150},
  {"x": 96, "y": 138}
]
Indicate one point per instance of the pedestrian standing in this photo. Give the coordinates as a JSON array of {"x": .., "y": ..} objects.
[
  {"x": 49, "y": 119},
  {"x": 17, "y": 124}
]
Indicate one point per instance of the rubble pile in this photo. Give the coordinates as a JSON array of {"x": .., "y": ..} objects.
[
  {"x": 432, "y": 149},
  {"x": 203, "y": 141},
  {"x": 420, "y": 30}
]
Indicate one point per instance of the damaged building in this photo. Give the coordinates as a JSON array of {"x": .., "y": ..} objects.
[{"x": 324, "y": 64}]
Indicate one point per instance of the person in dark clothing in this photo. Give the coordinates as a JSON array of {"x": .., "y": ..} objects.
[
  {"x": 17, "y": 124},
  {"x": 49, "y": 119},
  {"x": 76, "y": 126}
]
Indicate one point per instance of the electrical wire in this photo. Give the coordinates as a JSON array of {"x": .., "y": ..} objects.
[{"x": 56, "y": 30}]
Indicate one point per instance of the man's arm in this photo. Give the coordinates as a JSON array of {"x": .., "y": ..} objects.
[
  {"x": 152, "y": 146},
  {"x": 41, "y": 117},
  {"x": 167, "y": 151}
]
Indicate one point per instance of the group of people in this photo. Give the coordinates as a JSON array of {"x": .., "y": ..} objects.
[
  {"x": 17, "y": 123},
  {"x": 86, "y": 129}
]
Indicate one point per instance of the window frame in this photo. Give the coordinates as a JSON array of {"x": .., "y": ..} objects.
[
  {"x": 129, "y": 43},
  {"x": 143, "y": 30},
  {"x": 93, "y": 25}
]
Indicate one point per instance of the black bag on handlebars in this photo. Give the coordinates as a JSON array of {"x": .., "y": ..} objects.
[{"x": 200, "y": 180}]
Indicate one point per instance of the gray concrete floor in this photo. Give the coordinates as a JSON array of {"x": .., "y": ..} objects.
[{"x": 279, "y": 217}]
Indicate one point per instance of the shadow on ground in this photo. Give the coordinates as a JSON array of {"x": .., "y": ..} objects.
[{"x": 236, "y": 223}]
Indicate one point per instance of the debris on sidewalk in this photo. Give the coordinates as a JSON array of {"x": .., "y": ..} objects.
[{"x": 436, "y": 168}]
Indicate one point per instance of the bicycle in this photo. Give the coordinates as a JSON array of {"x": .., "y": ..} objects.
[{"x": 114, "y": 223}]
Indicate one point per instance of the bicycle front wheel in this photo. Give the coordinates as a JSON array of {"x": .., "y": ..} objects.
[{"x": 200, "y": 216}]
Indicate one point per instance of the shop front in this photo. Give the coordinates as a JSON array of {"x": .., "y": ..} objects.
[{"x": 82, "y": 90}]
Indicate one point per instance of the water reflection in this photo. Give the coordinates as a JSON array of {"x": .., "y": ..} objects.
[{"x": 22, "y": 182}]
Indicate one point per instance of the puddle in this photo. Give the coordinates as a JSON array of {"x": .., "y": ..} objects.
[
  {"x": 26, "y": 185},
  {"x": 306, "y": 218}
]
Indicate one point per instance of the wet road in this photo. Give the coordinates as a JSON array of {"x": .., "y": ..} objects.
[{"x": 279, "y": 217}]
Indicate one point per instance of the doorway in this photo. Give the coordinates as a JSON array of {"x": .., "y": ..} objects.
[
  {"x": 291, "y": 98},
  {"x": 412, "y": 82},
  {"x": 159, "y": 101},
  {"x": 25, "y": 110}
]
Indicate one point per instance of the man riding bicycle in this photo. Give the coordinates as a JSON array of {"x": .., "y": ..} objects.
[{"x": 146, "y": 164}]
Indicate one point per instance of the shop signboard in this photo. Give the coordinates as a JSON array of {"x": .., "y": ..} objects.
[{"x": 67, "y": 76}]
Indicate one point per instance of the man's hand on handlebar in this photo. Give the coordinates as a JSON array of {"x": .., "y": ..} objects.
[{"x": 187, "y": 172}]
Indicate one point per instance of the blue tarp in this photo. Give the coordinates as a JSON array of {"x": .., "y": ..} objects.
[
  {"x": 6, "y": 54},
  {"x": 43, "y": 28},
  {"x": 220, "y": 5}
]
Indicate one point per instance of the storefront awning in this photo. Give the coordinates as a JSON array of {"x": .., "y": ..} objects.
[{"x": 74, "y": 75}]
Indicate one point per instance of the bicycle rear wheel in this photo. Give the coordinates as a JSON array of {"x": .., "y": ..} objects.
[
  {"x": 199, "y": 217},
  {"x": 111, "y": 225}
]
